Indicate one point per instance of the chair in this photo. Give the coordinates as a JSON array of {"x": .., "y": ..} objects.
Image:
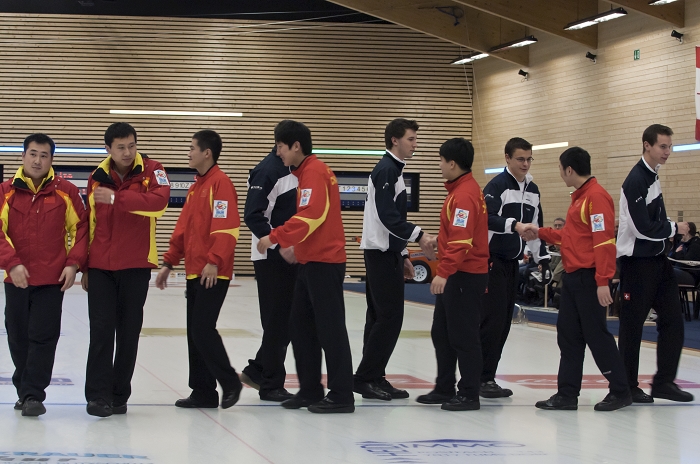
[{"x": 686, "y": 288}]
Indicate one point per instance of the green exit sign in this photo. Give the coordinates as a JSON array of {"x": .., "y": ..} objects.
[{"x": 637, "y": 54}]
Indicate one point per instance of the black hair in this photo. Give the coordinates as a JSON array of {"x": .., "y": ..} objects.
[
  {"x": 397, "y": 128},
  {"x": 208, "y": 139},
  {"x": 578, "y": 159},
  {"x": 459, "y": 150},
  {"x": 560, "y": 219},
  {"x": 693, "y": 230},
  {"x": 41, "y": 139},
  {"x": 651, "y": 134},
  {"x": 119, "y": 130},
  {"x": 517, "y": 143},
  {"x": 289, "y": 131}
]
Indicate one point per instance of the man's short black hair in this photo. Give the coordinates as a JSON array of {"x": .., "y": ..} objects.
[
  {"x": 397, "y": 128},
  {"x": 578, "y": 159},
  {"x": 208, "y": 139},
  {"x": 41, "y": 139},
  {"x": 651, "y": 134},
  {"x": 459, "y": 150},
  {"x": 289, "y": 131},
  {"x": 517, "y": 143},
  {"x": 119, "y": 130}
]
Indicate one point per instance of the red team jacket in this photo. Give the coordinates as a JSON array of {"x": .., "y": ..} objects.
[
  {"x": 44, "y": 228},
  {"x": 463, "y": 241},
  {"x": 123, "y": 235},
  {"x": 587, "y": 239},
  {"x": 318, "y": 213},
  {"x": 208, "y": 227}
]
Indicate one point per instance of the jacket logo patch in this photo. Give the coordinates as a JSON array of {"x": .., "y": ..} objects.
[
  {"x": 627, "y": 297},
  {"x": 220, "y": 209},
  {"x": 597, "y": 223},
  {"x": 460, "y": 218},
  {"x": 161, "y": 177},
  {"x": 305, "y": 197},
  {"x": 49, "y": 199}
]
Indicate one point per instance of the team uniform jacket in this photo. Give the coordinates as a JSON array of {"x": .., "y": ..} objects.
[
  {"x": 644, "y": 227},
  {"x": 44, "y": 229},
  {"x": 123, "y": 235},
  {"x": 208, "y": 227},
  {"x": 463, "y": 243},
  {"x": 385, "y": 226},
  {"x": 507, "y": 204},
  {"x": 587, "y": 239},
  {"x": 316, "y": 230},
  {"x": 271, "y": 201}
]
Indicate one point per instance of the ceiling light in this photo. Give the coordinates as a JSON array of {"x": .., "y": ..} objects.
[
  {"x": 547, "y": 146},
  {"x": 176, "y": 113},
  {"x": 470, "y": 57},
  {"x": 660, "y": 2},
  {"x": 599, "y": 18},
  {"x": 530, "y": 39}
]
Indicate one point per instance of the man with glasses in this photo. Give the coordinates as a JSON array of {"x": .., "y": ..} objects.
[{"x": 513, "y": 201}]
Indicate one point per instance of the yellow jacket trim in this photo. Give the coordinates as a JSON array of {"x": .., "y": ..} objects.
[{"x": 235, "y": 232}]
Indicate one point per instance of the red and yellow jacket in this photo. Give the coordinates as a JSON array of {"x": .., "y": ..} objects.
[
  {"x": 316, "y": 230},
  {"x": 207, "y": 229},
  {"x": 587, "y": 239},
  {"x": 44, "y": 228},
  {"x": 463, "y": 241},
  {"x": 123, "y": 235}
]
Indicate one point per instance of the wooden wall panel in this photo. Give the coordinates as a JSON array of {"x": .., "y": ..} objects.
[
  {"x": 62, "y": 74},
  {"x": 602, "y": 107}
]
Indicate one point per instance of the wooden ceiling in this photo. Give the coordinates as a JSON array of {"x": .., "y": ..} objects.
[{"x": 480, "y": 25}]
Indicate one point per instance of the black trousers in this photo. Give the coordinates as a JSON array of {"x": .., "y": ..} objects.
[
  {"x": 276, "y": 280},
  {"x": 455, "y": 334},
  {"x": 318, "y": 322},
  {"x": 647, "y": 283},
  {"x": 582, "y": 321},
  {"x": 33, "y": 323},
  {"x": 385, "y": 299},
  {"x": 208, "y": 358},
  {"x": 497, "y": 312},
  {"x": 115, "y": 307}
]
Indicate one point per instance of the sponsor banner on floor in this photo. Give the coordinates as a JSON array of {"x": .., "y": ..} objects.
[
  {"x": 451, "y": 451},
  {"x": 6, "y": 379},
  {"x": 72, "y": 458},
  {"x": 400, "y": 381},
  {"x": 589, "y": 381}
]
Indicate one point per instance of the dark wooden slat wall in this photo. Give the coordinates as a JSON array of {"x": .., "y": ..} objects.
[{"x": 62, "y": 74}]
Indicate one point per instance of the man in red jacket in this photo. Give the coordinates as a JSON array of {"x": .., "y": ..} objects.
[
  {"x": 205, "y": 235},
  {"x": 43, "y": 243},
  {"x": 587, "y": 243},
  {"x": 126, "y": 194},
  {"x": 318, "y": 310},
  {"x": 460, "y": 283}
]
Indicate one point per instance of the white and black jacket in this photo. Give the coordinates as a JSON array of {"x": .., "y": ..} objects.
[
  {"x": 385, "y": 226},
  {"x": 507, "y": 205},
  {"x": 644, "y": 227},
  {"x": 271, "y": 201}
]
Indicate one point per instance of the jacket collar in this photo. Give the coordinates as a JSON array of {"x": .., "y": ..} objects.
[
  {"x": 646, "y": 165},
  {"x": 103, "y": 172},
  {"x": 451, "y": 185},
  {"x": 214, "y": 168},
  {"x": 396, "y": 159},
  {"x": 22, "y": 182},
  {"x": 584, "y": 188},
  {"x": 528, "y": 176},
  {"x": 305, "y": 162}
]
